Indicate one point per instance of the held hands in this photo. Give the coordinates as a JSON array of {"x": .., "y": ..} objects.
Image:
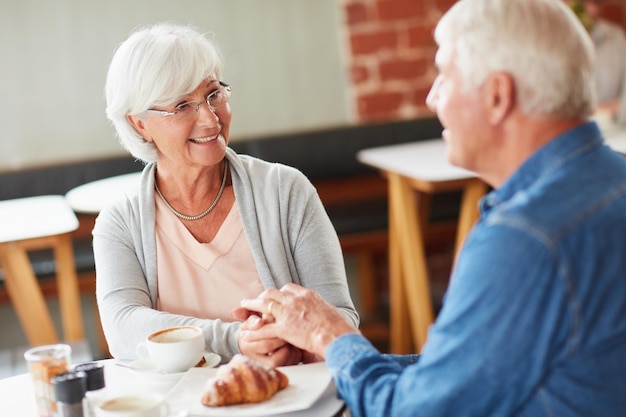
[
  {"x": 271, "y": 351},
  {"x": 281, "y": 322}
]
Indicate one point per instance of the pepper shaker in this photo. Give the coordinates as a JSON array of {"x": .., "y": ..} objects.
[
  {"x": 69, "y": 391},
  {"x": 95, "y": 385}
]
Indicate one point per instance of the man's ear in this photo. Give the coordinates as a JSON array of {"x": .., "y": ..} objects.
[
  {"x": 138, "y": 124},
  {"x": 499, "y": 96}
]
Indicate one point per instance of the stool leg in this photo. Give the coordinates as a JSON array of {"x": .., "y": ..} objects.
[
  {"x": 469, "y": 212},
  {"x": 26, "y": 295},
  {"x": 405, "y": 257},
  {"x": 400, "y": 329},
  {"x": 413, "y": 258},
  {"x": 69, "y": 293}
]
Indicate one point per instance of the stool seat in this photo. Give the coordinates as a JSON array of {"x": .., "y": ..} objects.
[
  {"x": 32, "y": 223},
  {"x": 32, "y": 217},
  {"x": 90, "y": 198}
]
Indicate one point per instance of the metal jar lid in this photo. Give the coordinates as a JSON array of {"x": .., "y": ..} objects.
[
  {"x": 70, "y": 387},
  {"x": 95, "y": 374}
]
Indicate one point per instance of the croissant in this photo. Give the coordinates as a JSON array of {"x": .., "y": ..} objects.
[{"x": 243, "y": 381}]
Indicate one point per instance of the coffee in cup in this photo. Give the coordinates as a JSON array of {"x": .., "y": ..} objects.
[
  {"x": 141, "y": 405},
  {"x": 174, "y": 349}
]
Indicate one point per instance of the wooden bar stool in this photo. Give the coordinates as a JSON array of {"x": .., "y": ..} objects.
[
  {"x": 32, "y": 223},
  {"x": 416, "y": 171}
]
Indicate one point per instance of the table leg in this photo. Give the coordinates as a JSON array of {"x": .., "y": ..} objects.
[
  {"x": 408, "y": 226},
  {"x": 26, "y": 296},
  {"x": 69, "y": 293}
]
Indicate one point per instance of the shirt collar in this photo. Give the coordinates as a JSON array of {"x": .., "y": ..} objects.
[{"x": 549, "y": 157}]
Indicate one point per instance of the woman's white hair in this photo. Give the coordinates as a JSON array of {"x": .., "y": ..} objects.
[
  {"x": 540, "y": 43},
  {"x": 156, "y": 66}
]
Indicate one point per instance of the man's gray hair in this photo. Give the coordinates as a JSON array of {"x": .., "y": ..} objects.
[{"x": 540, "y": 43}]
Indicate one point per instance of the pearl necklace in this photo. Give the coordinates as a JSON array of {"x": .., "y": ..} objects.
[{"x": 204, "y": 213}]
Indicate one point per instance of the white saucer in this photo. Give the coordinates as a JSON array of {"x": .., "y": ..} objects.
[{"x": 146, "y": 367}]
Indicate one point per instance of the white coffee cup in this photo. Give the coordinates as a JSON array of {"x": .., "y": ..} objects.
[
  {"x": 141, "y": 405},
  {"x": 175, "y": 349}
]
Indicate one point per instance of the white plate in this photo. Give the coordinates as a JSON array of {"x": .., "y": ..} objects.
[
  {"x": 306, "y": 384},
  {"x": 146, "y": 368}
]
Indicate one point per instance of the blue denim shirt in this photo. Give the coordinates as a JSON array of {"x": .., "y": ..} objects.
[{"x": 534, "y": 320}]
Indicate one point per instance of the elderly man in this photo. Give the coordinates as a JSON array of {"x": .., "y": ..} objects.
[{"x": 534, "y": 321}]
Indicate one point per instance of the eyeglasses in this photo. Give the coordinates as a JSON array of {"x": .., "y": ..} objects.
[{"x": 191, "y": 109}]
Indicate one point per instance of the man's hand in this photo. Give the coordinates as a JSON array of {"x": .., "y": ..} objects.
[
  {"x": 296, "y": 315},
  {"x": 270, "y": 351}
]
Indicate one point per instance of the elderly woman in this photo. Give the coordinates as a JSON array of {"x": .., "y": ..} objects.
[{"x": 207, "y": 227}]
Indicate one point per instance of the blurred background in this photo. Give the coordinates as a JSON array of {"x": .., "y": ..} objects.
[{"x": 296, "y": 66}]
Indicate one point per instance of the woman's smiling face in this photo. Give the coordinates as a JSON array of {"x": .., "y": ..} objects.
[{"x": 193, "y": 138}]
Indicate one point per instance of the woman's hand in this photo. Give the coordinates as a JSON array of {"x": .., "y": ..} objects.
[
  {"x": 296, "y": 315},
  {"x": 258, "y": 346}
]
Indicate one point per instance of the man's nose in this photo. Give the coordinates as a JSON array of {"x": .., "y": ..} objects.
[{"x": 431, "y": 99}]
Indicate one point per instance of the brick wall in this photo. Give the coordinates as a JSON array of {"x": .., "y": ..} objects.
[
  {"x": 615, "y": 10},
  {"x": 392, "y": 52}
]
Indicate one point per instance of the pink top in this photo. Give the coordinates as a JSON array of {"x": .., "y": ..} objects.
[{"x": 204, "y": 280}]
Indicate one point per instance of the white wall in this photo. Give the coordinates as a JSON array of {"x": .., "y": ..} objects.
[{"x": 283, "y": 58}]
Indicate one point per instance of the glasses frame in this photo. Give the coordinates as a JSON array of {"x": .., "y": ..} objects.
[{"x": 224, "y": 87}]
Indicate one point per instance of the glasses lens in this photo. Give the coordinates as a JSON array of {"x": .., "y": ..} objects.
[
  {"x": 219, "y": 97},
  {"x": 186, "y": 110},
  {"x": 190, "y": 109}
]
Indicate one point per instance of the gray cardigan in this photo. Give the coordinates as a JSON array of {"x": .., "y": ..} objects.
[{"x": 285, "y": 223}]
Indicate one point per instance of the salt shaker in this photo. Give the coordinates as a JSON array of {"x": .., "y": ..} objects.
[
  {"x": 95, "y": 385},
  {"x": 69, "y": 391}
]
